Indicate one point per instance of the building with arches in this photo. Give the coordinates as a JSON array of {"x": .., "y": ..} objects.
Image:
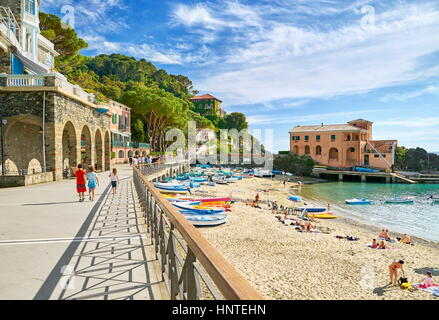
[
  {"x": 48, "y": 126},
  {"x": 343, "y": 145}
]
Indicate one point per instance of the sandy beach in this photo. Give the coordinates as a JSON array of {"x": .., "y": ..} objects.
[{"x": 285, "y": 264}]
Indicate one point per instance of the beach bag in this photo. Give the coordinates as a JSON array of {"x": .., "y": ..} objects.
[{"x": 402, "y": 281}]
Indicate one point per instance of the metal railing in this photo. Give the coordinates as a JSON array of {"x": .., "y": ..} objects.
[{"x": 191, "y": 267}]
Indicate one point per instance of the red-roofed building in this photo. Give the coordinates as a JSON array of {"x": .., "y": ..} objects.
[{"x": 208, "y": 105}]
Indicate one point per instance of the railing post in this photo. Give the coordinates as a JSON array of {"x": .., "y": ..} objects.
[{"x": 189, "y": 279}]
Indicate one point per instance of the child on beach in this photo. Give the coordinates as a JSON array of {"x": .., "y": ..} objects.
[
  {"x": 428, "y": 281},
  {"x": 382, "y": 245},
  {"x": 374, "y": 244},
  {"x": 93, "y": 182},
  {"x": 393, "y": 271},
  {"x": 114, "y": 178},
  {"x": 80, "y": 182}
]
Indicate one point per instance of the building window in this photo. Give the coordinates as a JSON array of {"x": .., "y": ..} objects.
[
  {"x": 307, "y": 150},
  {"x": 377, "y": 155},
  {"x": 296, "y": 138},
  {"x": 318, "y": 138},
  {"x": 30, "y": 7},
  {"x": 333, "y": 137},
  {"x": 121, "y": 154},
  {"x": 306, "y": 138},
  {"x": 318, "y": 150}
]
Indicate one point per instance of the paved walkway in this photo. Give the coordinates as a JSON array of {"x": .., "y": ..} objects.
[{"x": 53, "y": 247}]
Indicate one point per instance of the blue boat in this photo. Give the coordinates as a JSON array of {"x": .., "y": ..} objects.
[
  {"x": 295, "y": 199},
  {"x": 311, "y": 209},
  {"x": 366, "y": 170},
  {"x": 358, "y": 202}
]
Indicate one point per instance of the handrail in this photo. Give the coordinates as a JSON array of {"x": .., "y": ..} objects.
[{"x": 231, "y": 284}]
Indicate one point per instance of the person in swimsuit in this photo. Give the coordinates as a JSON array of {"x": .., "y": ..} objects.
[
  {"x": 382, "y": 245},
  {"x": 80, "y": 182},
  {"x": 428, "y": 281},
  {"x": 374, "y": 244},
  {"x": 393, "y": 271}
]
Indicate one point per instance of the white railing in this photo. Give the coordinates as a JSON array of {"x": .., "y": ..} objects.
[
  {"x": 30, "y": 18},
  {"x": 48, "y": 80},
  {"x": 24, "y": 81},
  {"x": 45, "y": 42}
]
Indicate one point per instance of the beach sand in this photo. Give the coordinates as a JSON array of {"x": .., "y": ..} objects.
[{"x": 285, "y": 264}]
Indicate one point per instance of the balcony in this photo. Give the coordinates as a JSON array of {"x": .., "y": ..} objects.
[
  {"x": 120, "y": 144},
  {"x": 50, "y": 82}
]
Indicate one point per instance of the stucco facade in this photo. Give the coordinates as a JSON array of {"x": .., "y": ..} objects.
[{"x": 343, "y": 145}]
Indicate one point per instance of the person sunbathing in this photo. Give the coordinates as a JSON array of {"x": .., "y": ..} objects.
[
  {"x": 382, "y": 245},
  {"x": 405, "y": 239},
  {"x": 383, "y": 234},
  {"x": 374, "y": 244}
]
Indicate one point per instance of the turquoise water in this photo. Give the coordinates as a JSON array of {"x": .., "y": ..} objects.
[{"x": 420, "y": 219}]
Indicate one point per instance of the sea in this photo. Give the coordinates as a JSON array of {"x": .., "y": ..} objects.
[{"x": 420, "y": 219}]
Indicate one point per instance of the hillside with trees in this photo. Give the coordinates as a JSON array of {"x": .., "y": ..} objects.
[
  {"x": 418, "y": 160},
  {"x": 159, "y": 100}
]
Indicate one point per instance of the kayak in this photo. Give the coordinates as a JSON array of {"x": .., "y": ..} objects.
[
  {"x": 358, "y": 201},
  {"x": 207, "y": 221},
  {"x": 311, "y": 209},
  {"x": 326, "y": 215}
]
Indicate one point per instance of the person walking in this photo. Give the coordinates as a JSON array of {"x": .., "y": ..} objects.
[
  {"x": 93, "y": 182},
  {"x": 80, "y": 182},
  {"x": 114, "y": 178}
]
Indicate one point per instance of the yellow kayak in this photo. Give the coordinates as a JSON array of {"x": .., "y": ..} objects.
[{"x": 323, "y": 216}]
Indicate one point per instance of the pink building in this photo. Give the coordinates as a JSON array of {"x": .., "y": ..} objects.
[
  {"x": 122, "y": 146},
  {"x": 343, "y": 145}
]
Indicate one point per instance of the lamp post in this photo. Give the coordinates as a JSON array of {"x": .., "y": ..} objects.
[{"x": 3, "y": 122}]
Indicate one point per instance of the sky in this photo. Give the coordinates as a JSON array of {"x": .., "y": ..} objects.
[{"x": 286, "y": 62}]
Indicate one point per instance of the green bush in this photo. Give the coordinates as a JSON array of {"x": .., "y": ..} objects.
[{"x": 298, "y": 165}]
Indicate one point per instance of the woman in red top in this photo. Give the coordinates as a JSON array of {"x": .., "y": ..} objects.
[
  {"x": 393, "y": 271},
  {"x": 80, "y": 182}
]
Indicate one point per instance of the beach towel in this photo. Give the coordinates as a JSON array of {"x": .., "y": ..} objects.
[{"x": 434, "y": 289}]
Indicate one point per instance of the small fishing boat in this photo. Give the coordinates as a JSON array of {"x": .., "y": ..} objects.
[
  {"x": 358, "y": 201},
  {"x": 200, "y": 220},
  {"x": 192, "y": 208},
  {"x": 231, "y": 180},
  {"x": 295, "y": 199},
  {"x": 400, "y": 201}
]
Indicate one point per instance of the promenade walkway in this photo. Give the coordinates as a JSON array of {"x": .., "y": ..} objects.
[{"x": 53, "y": 247}]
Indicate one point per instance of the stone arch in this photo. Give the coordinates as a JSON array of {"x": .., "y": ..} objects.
[
  {"x": 69, "y": 146},
  {"x": 333, "y": 156},
  {"x": 296, "y": 150},
  {"x": 137, "y": 153},
  {"x": 23, "y": 143},
  {"x": 34, "y": 167},
  {"x": 121, "y": 154},
  {"x": 307, "y": 150},
  {"x": 130, "y": 153},
  {"x": 107, "y": 144},
  {"x": 99, "y": 149},
  {"x": 318, "y": 151},
  {"x": 86, "y": 147}
]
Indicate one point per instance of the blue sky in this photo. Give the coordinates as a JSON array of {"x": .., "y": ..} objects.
[{"x": 287, "y": 62}]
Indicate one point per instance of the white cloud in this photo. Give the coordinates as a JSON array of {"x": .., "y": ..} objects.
[
  {"x": 433, "y": 89},
  {"x": 291, "y": 62}
]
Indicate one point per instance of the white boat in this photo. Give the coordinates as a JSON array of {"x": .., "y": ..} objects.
[
  {"x": 207, "y": 220},
  {"x": 407, "y": 200},
  {"x": 264, "y": 174},
  {"x": 191, "y": 208},
  {"x": 358, "y": 201}
]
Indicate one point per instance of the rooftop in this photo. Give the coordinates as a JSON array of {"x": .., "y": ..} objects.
[
  {"x": 326, "y": 128},
  {"x": 205, "y": 97}
]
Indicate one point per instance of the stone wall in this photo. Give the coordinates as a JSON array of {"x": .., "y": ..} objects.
[
  {"x": 5, "y": 62},
  {"x": 14, "y": 5},
  {"x": 21, "y": 181}
]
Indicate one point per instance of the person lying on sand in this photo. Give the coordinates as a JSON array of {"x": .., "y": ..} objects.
[
  {"x": 393, "y": 271},
  {"x": 382, "y": 245},
  {"x": 405, "y": 239}
]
